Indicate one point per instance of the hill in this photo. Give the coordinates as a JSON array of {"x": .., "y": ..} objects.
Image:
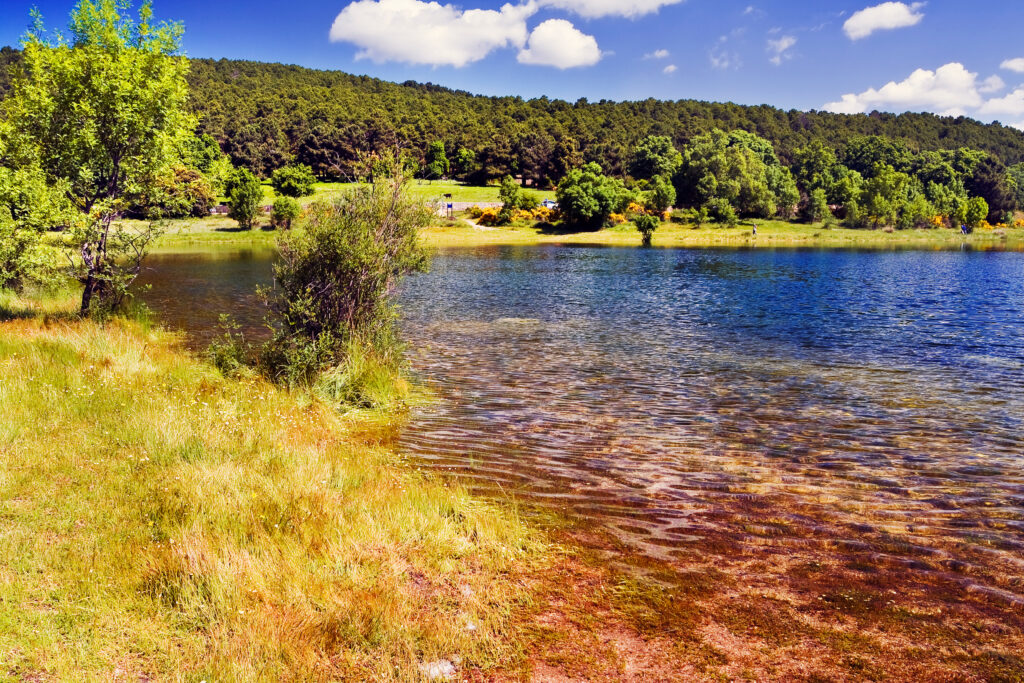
[{"x": 263, "y": 114}]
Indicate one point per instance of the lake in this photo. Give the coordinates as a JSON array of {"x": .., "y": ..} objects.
[{"x": 765, "y": 413}]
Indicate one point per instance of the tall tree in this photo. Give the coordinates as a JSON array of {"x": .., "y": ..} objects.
[{"x": 102, "y": 112}]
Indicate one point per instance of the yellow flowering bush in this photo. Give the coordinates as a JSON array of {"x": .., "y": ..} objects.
[
  {"x": 616, "y": 219},
  {"x": 1019, "y": 223},
  {"x": 488, "y": 216},
  {"x": 635, "y": 208}
]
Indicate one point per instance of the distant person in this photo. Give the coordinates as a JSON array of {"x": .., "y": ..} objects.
[
  {"x": 963, "y": 229},
  {"x": 755, "y": 228}
]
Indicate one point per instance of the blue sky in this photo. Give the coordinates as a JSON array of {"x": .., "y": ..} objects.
[{"x": 942, "y": 56}]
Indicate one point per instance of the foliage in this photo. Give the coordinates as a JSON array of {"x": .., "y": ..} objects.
[
  {"x": 976, "y": 211},
  {"x": 816, "y": 208},
  {"x": 989, "y": 181},
  {"x": 285, "y": 211},
  {"x": 293, "y": 181},
  {"x": 102, "y": 113},
  {"x": 178, "y": 192},
  {"x": 245, "y": 197},
  {"x": 29, "y": 206},
  {"x": 335, "y": 278},
  {"x": 720, "y": 210},
  {"x": 660, "y": 195},
  {"x": 204, "y": 154},
  {"x": 587, "y": 197},
  {"x": 436, "y": 163},
  {"x": 737, "y": 168},
  {"x": 646, "y": 224},
  {"x": 229, "y": 352},
  {"x": 655, "y": 156}
]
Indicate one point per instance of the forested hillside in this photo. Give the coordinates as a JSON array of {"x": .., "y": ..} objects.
[
  {"x": 262, "y": 113},
  {"x": 265, "y": 114}
]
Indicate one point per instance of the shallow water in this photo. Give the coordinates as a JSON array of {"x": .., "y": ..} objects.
[{"x": 717, "y": 404}]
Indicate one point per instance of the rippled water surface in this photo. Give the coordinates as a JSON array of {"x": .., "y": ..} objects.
[{"x": 714, "y": 405}]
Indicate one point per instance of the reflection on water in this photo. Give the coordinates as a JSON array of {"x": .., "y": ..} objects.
[{"x": 721, "y": 406}]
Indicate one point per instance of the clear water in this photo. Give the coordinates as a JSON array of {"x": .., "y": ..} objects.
[{"x": 720, "y": 405}]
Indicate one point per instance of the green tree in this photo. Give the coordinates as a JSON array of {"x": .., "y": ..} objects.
[
  {"x": 816, "y": 209},
  {"x": 464, "y": 163},
  {"x": 660, "y": 195},
  {"x": 436, "y": 164},
  {"x": 587, "y": 197},
  {"x": 102, "y": 112},
  {"x": 294, "y": 181},
  {"x": 286, "y": 210},
  {"x": 989, "y": 181},
  {"x": 646, "y": 224},
  {"x": 29, "y": 206},
  {"x": 654, "y": 156},
  {"x": 245, "y": 197},
  {"x": 1015, "y": 180},
  {"x": 976, "y": 211}
]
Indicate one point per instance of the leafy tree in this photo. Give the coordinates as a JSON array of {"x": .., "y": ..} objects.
[
  {"x": 510, "y": 193},
  {"x": 864, "y": 154},
  {"x": 286, "y": 210},
  {"x": 178, "y": 192},
  {"x": 816, "y": 209},
  {"x": 660, "y": 195},
  {"x": 587, "y": 197},
  {"x": 465, "y": 162},
  {"x": 976, "y": 211},
  {"x": 1015, "y": 180},
  {"x": 101, "y": 112},
  {"x": 989, "y": 181},
  {"x": 436, "y": 165},
  {"x": 721, "y": 211},
  {"x": 28, "y": 207},
  {"x": 646, "y": 224},
  {"x": 294, "y": 181},
  {"x": 245, "y": 197},
  {"x": 884, "y": 194},
  {"x": 655, "y": 156},
  {"x": 204, "y": 154}
]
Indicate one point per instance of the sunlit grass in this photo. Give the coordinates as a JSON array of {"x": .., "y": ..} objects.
[{"x": 162, "y": 521}]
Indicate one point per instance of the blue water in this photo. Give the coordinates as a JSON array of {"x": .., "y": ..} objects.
[{"x": 727, "y": 404}]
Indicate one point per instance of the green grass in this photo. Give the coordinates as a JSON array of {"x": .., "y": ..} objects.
[
  {"x": 163, "y": 522},
  {"x": 770, "y": 234},
  {"x": 426, "y": 189}
]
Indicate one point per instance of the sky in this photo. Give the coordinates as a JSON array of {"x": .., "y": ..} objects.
[{"x": 945, "y": 56}]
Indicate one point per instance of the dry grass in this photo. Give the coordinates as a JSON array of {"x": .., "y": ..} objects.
[{"x": 160, "y": 521}]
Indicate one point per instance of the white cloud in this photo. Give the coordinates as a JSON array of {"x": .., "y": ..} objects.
[
  {"x": 1012, "y": 104},
  {"x": 420, "y": 32},
  {"x": 593, "y": 9},
  {"x": 1019, "y": 125},
  {"x": 557, "y": 43},
  {"x": 779, "y": 49},
  {"x": 657, "y": 54},
  {"x": 887, "y": 16},
  {"x": 1016, "y": 65},
  {"x": 992, "y": 84},
  {"x": 949, "y": 90},
  {"x": 670, "y": 69}
]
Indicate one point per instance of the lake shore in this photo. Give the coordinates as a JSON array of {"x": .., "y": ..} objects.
[{"x": 198, "y": 233}]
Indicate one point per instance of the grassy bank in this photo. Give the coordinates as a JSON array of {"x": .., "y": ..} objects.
[
  {"x": 769, "y": 234},
  {"x": 161, "y": 521},
  {"x": 430, "y": 190},
  {"x": 198, "y": 233}
]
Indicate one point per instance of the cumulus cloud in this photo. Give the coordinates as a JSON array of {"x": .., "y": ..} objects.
[
  {"x": 1016, "y": 65},
  {"x": 887, "y": 16},
  {"x": 420, "y": 32},
  {"x": 593, "y": 9},
  {"x": 670, "y": 69},
  {"x": 657, "y": 54},
  {"x": 779, "y": 49},
  {"x": 1012, "y": 104},
  {"x": 992, "y": 84},
  {"x": 949, "y": 90},
  {"x": 557, "y": 43}
]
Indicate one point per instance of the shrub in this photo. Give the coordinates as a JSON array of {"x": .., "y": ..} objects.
[
  {"x": 816, "y": 209},
  {"x": 245, "y": 195},
  {"x": 660, "y": 196},
  {"x": 587, "y": 197},
  {"x": 335, "y": 279},
  {"x": 721, "y": 211},
  {"x": 229, "y": 352},
  {"x": 646, "y": 224},
  {"x": 293, "y": 181},
  {"x": 286, "y": 210}
]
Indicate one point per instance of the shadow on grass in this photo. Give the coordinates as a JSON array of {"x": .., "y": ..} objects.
[{"x": 563, "y": 229}]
